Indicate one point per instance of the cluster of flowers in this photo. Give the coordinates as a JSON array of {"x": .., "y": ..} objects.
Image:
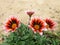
[{"x": 37, "y": 24}]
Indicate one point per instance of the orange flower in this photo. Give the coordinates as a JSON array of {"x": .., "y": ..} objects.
[
  {"x": 37, "y": 25},
  {"x": 12, "y": 24},
  {"x": 30, "y": 13},
  {"x": 50, "y": 23}
]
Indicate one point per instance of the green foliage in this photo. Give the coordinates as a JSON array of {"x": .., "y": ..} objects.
[{"x": 25, "y": 36}]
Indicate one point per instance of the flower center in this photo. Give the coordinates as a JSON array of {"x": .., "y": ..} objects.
[
  {"x": 47, "y": 26},
  {"x": 14, "y": 26},
  {"x": 36, "y": 27}
]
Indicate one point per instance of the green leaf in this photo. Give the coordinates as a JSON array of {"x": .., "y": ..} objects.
[{"x": 24, "y": 37}]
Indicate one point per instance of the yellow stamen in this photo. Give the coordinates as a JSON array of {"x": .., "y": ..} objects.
[
  {"x": 36, "y": 27},
  {"x": 47, "y": 26},
  {"x": 14, "y": 26}
]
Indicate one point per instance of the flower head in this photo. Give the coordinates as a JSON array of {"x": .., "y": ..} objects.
[
  {"x": 37, "y": 25},
  {"x": 12, "y": 24},
  {"x": 30, "y": 13},
  {"x": 50, "y": 23}
]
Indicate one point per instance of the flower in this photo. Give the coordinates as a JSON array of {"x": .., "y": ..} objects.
[
  {"x": 30, "y": 13},
  {"x": 37, "y": 25},
  {"x": 50, "y": 23},
  {"x": 12, "y": 24}
]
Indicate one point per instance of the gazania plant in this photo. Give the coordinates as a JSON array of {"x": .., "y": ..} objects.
[
  {"x": 29, "y": 13},
  {"x": 37, "y": 32},
  {"x": 37, "y": 25},
  {"x": 11, "y": 24},
  {"x": 50, "y": 23}
]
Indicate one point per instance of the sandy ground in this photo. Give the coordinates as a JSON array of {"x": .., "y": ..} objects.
[{"x": 43, "y": 8}]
